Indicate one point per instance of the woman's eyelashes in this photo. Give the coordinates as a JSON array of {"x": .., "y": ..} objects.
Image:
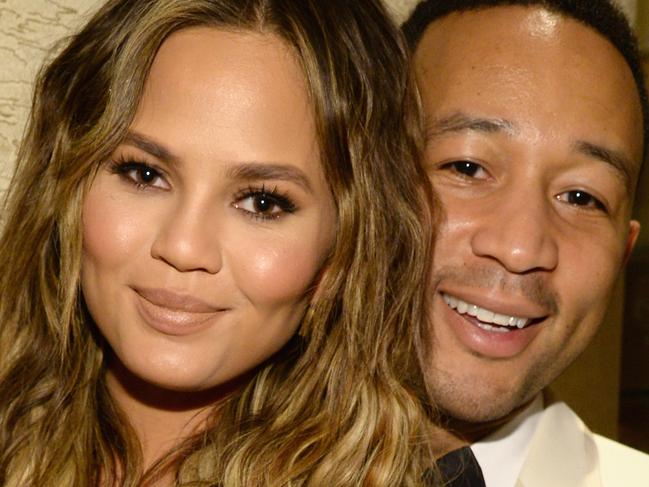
[
  {"x": 142, "y": 175},
  {"x": 263, "y": 204},
  {"x": 256, "y": 202}
]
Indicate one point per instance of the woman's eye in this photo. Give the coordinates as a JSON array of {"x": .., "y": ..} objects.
[
  {"x": 263, "y": 204},
  {"x": 141, "y": 175},
  {"x": 582, "y": 199},
  {"x": 467, "y": 169}
]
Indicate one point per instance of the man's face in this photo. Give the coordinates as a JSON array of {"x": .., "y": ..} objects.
[{"x": 535, "y": 138}]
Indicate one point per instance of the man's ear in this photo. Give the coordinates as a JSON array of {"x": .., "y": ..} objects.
[
  {"x": 317, "y": 289},
  {"x": 632, "y": 237}
]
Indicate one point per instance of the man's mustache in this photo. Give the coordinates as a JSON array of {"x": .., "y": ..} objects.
[{"x": 533, "y": 286}]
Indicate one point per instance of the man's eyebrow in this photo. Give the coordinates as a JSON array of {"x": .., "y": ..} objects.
[
  {"x": 622, "y": 164},
  {"x": 257, "y": 171},
  {"x": 459, "y": 122},
  {"x": 152, "y": 147}
]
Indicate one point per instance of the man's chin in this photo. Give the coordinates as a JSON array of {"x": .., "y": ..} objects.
[
  {"x": 479, "y": 415},
  {"x": 476, "y": 417},
  {"x": 483, "y": 395}
]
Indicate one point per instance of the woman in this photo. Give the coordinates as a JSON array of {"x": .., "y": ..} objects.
[{"x": 212, "y": 256}]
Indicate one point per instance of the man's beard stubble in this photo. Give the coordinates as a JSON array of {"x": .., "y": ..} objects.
[{"x": 466, "y": 399}]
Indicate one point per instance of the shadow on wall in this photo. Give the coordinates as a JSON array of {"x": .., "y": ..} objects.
[{"x": 634, "y": 399}]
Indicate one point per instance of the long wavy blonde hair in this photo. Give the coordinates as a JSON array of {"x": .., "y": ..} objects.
[{"x": 343, "y": 404}]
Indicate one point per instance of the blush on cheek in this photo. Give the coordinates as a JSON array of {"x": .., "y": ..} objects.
[
  {"x": 111, "y": 228},
  {"x": 280, "y": 274}
]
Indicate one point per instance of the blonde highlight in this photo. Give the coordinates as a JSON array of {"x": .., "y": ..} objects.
[{"x": 344, "y": 402}]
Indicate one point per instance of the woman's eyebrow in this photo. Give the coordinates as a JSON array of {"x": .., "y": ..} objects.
[
  {"x": 251, "y": 171},
  {"x": 246, "y": 171},
  {"x": 152, "y": 147}
]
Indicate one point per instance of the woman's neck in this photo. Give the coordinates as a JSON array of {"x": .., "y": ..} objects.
[
  {"x": 161, "y": 418},
  {"x": 158, "y": 428}
]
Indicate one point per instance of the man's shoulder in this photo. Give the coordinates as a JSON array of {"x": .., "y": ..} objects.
[
  {"x": 620, "y": 464},
  {"x": 617, "y": 451},
  {"x": 564, "y": 452}
]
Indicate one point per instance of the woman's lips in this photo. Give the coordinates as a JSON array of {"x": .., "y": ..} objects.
[
  {"x": 176, "y": 301},
  {"x": 173, "y": 313}
]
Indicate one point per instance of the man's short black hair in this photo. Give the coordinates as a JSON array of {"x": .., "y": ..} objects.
[{"x": 600, "y": 15}]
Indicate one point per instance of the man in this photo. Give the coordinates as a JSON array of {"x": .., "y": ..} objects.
[{"x": 537, "y": 120}]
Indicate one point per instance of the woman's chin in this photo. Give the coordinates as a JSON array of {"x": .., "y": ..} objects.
[{"x": 169, "y": 389}]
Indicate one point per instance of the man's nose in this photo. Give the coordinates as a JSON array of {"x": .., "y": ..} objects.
[
  {"x": 187, "y": 239},
  {"x": 517, "y": 231}
]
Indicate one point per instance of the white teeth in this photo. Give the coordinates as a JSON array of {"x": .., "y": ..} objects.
[
  {"x": 502, "y": 320},
  {"x": 496, "y": 329},
  {"x": 473, "y": 310},
  {"x": 485, "y": 316}
]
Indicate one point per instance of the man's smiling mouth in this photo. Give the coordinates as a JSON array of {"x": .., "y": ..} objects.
[{"x": 486, "y": 319}]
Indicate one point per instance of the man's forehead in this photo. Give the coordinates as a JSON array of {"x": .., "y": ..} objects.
[
  {"x": 491, "y": 30},
  {"x": 506, "y": 57}
]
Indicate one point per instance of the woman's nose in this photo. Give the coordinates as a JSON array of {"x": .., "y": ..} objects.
[{"x": 187, "y": 240}]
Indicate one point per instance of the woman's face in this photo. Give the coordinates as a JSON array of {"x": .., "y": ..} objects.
[{"x": 205, "y": 233}]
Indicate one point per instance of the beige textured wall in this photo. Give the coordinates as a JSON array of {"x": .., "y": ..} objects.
[
  {"x": 401, "y": 8},
  {"x": 28, "y": 31}
]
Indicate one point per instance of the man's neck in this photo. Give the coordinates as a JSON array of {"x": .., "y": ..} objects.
[{"x": 455, "y": 433}]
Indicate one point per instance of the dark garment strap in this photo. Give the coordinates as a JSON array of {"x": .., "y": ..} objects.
[{"x": 458, "y": 468}]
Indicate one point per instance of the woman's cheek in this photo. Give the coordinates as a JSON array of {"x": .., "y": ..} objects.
[
  {"x": 281, "y": 271},
  {"x": 115, "y": 228}
]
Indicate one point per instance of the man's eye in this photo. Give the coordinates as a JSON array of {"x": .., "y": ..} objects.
[
  {"x": 582, "y": 199},
  {"x": 466, "y": 168}
]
